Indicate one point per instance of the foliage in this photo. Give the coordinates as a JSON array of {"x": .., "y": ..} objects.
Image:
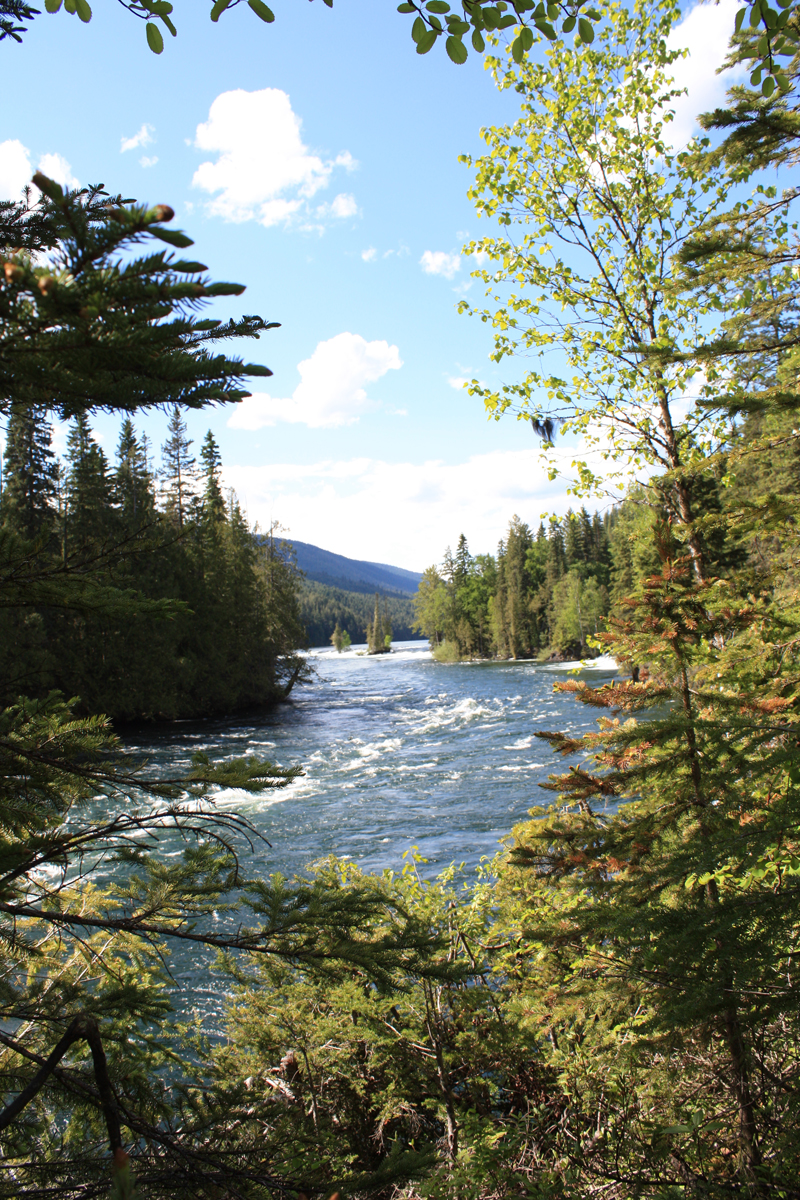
[
  {"x": 432, "y": 20},
  {"x": 92, "y": 321},
  {"x": 379, "y": 629},
  {"x": 593, "y": 209},
  {"x": 322, "y": 607},
  {"x": 545, "y": 595},
  {"x": 229, "y": 623},
  {"x": 340, "y": 639}
]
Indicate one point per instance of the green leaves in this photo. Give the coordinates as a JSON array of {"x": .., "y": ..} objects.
[
  {"x": 154, "y": 38},
  {"x": 262, "y": 11},
  {"x": 436, "y": 19},
  {"x": 188, "y": 268},
  {"x": 433, "y": 19},
  {"x": 456, "y": 50},
  {"x": 172, "y": 236}
]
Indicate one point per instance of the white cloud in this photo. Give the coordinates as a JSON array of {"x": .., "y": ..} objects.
[
  {"x": 143, "y": 138},
  {"x": 343, "y": 205},
  {"x": 458, "y": 381},
  {"x": 263, "y": 171},
  {"x": 331, "y": 389},
  {"x": 439, "y": 262},
  {"x": 401, "y": 512},
  {"x": 16, "y": 169},
  {"x": 144, "y": 161},
  {"x": 705, "y": 31},
  {"x": 369, "y": 255},
  {"x": 56, "y": 167}
]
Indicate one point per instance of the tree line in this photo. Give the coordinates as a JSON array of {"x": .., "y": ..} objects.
[
  {"x": 541, "y": 595},
  {"x": 323, "y": 608},
  {"x": 230, "y": 623}
]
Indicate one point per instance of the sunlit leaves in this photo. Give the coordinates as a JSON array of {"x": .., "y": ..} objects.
[{"x": 596, "y": 205}]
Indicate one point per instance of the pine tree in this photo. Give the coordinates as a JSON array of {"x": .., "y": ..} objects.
[
  {"x": 29, "y": 471},
  {"x": 88, "y": 489},
  {"x": 177, "y": 470},
  {"x": 664, "y": 915},
  {"x": 213, "y": 500},
  {"x": 133, "y": 481},
  {"x": 376, "y": 631}
]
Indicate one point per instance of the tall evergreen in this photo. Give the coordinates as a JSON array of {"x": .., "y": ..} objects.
[
  {"x": 88, "y": 489},
  {"x": 29, "y": 471},
  {"x": 177, "y": 470},
  {"x": 133, "y": 482},
  {"x": 213, "y": 500}
]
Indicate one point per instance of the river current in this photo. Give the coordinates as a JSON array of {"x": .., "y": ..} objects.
[{"x": 398, "y": 751}]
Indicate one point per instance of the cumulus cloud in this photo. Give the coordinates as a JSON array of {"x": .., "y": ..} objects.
[
  {"x": 144, "y": 161},
  {"x": 143, "y": 138},
  {"x": 342, "y": 505},
  {"x": 439, "y": 262},
  {"x": 16, "y": 169},
  {"x": 705, "y": 32},
  {"x": 369, "y": 255},
  {"x": 343, "y": 205},
  {"x": 57, "y": 167},
  {"x": 331, "y": 389},
  {"x": 263, "y": 170}
]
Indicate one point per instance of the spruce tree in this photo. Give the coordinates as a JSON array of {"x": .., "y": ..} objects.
[
  {"x": 213, "y": 501},
  {"x": 133, "y": 482},
  {"x": 177, "y": 470},
  {"x": 88, "y": 489},
  {"x": 29, "y": 471}
]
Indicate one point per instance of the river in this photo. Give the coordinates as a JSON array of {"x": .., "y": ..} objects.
[{"x": 398, "y": 751}]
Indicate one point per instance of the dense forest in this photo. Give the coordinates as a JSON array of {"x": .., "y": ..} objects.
[
  {"x": 548, "y": 595},
  {"x": 542, "y": 595},
  {"x": 610, "y": 1010},
  {"x": 222, "y": 624},
  {"x": 322, "y": 608}
]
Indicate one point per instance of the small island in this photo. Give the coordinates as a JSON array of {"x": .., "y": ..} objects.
[{"x": 379, "y": 630}]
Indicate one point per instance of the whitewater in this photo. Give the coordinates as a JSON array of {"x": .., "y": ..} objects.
[{"x": 397, "y": 751}]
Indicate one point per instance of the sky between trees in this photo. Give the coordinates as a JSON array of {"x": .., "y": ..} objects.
[{"x": 328, "y": 183}]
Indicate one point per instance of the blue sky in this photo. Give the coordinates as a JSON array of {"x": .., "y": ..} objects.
[{"x": 316, "y": 161}]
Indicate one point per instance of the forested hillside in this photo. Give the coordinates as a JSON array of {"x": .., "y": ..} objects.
[
  {"x": 322, "y": 608},
  {"x": 548, "y": 595},
  {"x": 542, "y": 595},
  {"x": 219, "y": 624},
  {"x": 352, "y": 574}
]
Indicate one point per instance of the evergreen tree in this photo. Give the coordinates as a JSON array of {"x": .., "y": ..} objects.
[
  {"x": 88, "y": 489},
  {"x": 178, "y": 470},
  {"x": 133, "y": 482},
  {"x": 213, "y": 501},
  {"x": 377, "y": 630},
  {"x": 29, "y": 471}
]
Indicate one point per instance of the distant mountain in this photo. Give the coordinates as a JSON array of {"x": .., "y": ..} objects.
[{"x": 353, "y": 575}]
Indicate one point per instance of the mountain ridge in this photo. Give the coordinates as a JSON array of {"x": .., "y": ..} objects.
[{"x": 353, "y": 574}]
